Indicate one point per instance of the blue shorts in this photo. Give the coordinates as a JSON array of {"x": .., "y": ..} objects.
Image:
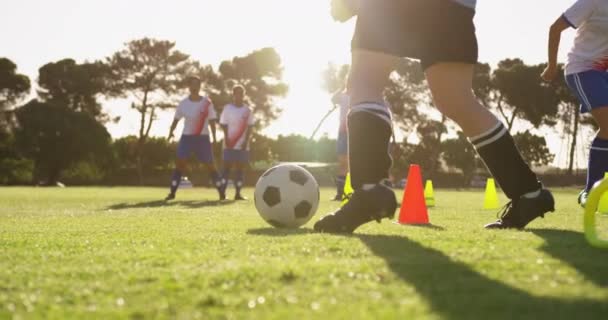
[
  {"x": 197, "y": 144},
  {"x": 342, "y": 144},
  {"x": 591, "y": 88},
  {"x": 234, "y": 155}
]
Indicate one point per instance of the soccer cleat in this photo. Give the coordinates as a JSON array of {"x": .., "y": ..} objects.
[
  {"x": 364, "y": 206},
  {"x": 171, "y": 196},
  {"x": 221, "y": 192},
  {"x": 519, "y": 212},
  {"x": 239, "y": 197},
  {"x": 582, "y": 198}
]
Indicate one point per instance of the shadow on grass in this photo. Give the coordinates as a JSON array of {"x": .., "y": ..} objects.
[
  {"x": 455, "y": 291},
  {"x": 422, "y": 226},
  {"x": 161, "y": 203},
  {"x": 572, "y": 248},
  {"x": 275, "y": 232}
]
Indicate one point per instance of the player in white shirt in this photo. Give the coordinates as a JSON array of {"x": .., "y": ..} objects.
[
  {"x": 342, "y": 101},
  {"x": 586, "y": 74},
  {"x": 236, "y": 121},
  {"x": 441, "y": 35},
  {"x": 199, "y": 115}
]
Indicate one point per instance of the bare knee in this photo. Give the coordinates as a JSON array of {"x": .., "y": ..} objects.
[{"x": 600, "y": 115}]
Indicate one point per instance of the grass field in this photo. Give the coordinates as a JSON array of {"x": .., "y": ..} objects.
[{"x": 118, "y": 253}]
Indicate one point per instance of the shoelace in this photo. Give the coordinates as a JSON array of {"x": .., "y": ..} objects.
[
  {"x": 504, "y": 211},
  {"x": 346, "y": 196}
]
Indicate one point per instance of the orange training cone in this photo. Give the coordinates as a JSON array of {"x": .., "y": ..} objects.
[{"x": 413, "y": 208}]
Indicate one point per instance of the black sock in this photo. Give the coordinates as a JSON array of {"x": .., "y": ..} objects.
[
  {"x": 238, "y": 182},
  {"x": 175, "y": 180},
  {"x": 497, "y": 149},
  {"x": 369, "y": 133}
]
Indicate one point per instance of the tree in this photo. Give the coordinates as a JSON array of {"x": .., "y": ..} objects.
[
  {"x": 150, "y": 72},
  {"x": 75, "y": 86},
  {"x": 13, "y": 86},
  {"x": 459, "y": 153},
  {"x": 520, "y": 94},
  {"x": 260, "y": 72},
  {"x": 159, "y": 152},
  {"x": 406, "y": 94},
  {"x": 55, "y": 138},
  {"x": 533, "y": 148},
  {"x": 334, "y": 77},
  {"x": 13, "y": 168}
]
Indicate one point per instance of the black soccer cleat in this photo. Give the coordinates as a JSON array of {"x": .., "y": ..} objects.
[
  {"x": 519, "y": 212},
  {"x": 171, "y": 196},
  {"x": 582, "y": 198},
  {"x": 364, "y": 206},
  {"x": 222, "y": 193}
]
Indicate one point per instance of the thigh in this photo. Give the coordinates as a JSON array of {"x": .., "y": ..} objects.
[
  {"x": 600, "y": 115},
  {"x": 451, "y": 84},
  {"x": 184, "y": 147},
  {"x": 369, "y": 75},
  {"x": 204, "y": 152}
]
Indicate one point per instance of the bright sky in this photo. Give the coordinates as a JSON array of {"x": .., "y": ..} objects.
[{"x": 35, "y": 32}]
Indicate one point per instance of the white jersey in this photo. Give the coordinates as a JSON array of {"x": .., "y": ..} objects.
[
  {"x": 238, "y": 120},
  {"x": 197, "y": 115},
  {"x": 590, "y": 50},
  {"x": 342, "y": 100}
]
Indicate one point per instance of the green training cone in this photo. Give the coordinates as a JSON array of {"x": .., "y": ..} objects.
[
  {"x": 429, "y": 194},
  {"x": 603, "y": 206},
  {"x": 491, "y": 199},
  {"x": 591, "y": 208},
  {"x": 348, "y": 190}
]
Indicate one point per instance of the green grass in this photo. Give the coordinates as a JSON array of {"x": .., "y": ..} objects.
[{"x": 118, "y": 253}]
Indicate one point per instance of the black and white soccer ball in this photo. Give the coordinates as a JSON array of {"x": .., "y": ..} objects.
[{"x": 287, "y": 196}]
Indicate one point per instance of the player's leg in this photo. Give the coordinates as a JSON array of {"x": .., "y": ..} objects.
[
  {"x": 227, "y": 164},
  {"x": 181, "y": 163},
  {"x": 205, "y": 156},
  {"x": 451, "y": 87},
  {"x": 591, "y": 88},
  {"x": 240, "y": 166},
  {"x": 598, "y": 155},
  {"x": 369, "y": 133}
]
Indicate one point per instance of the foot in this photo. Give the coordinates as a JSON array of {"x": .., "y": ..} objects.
[
  {"x": 518, "y": 213},
  {"x": 171, "y": 196},
  {"x": 364, "y": 206},
  {"x": 338, "y": 197},
  {"x": 582, "y": 198},
  {"x": 239, "y": 197}
]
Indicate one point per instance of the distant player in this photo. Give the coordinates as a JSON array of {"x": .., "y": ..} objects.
[
  {"x": 341, "y": 100},
  {"x": 586, "y": 74},
  {"x": 236, "y": 121},
  {"x": 199, "y": 115},
  {"x": 441, "y": 34}
]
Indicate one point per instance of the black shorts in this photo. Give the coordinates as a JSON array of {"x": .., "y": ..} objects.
[{"x": 431, "y": 31}]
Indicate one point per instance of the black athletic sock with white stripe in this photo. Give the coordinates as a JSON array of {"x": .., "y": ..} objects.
[
  {"x": 369, "y": 132},
  {"x": 497, "y": 149}
]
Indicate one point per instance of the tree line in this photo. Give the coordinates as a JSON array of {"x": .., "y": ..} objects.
[
  {"x": 62, "y": 130},
  {"x": 64, "y": 125}
]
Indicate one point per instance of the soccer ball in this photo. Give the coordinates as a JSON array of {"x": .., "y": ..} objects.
[{"x": 286, "y": 196}]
